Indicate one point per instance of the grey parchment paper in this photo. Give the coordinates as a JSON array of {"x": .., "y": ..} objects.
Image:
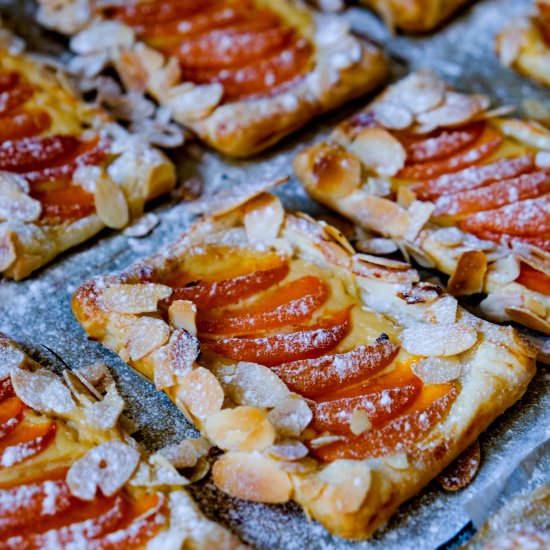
[{"x": 37, "y": 313}]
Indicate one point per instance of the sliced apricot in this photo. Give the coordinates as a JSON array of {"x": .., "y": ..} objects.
[
  {"x": 474, "y": 177},
  {"x": 6, "y": 389},
  {"x": 11, "y": 414},
  {"x": 528, "y": 218},
  {"x": 314, "y": 377},
  {"x": 380, "y": 406},
  {"x": 24, "y": 124},
  {"x": 135, "y": 13},
  {"x": 25, "y": 442},
  {"x": 13, "y": 98},
  {"x": 492, "y": 196},
  {"x": 534, "y": 279},
  {"x": 289, "y": 304},
  {"x": 396, "y": 436},
  {"x": 207, "y": 294},
  {"x": 309, "y": 343},
  {"x": 488, "y": 143},
  {"x": 442, "y": 143},
  {"x": 67, "y": 203}
]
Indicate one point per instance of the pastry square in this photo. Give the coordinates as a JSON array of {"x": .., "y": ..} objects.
[
  {"x": 457, "y": 186},
  {"x": 66, "y": 170},
  {"x": 70, "y": 475},
  {"x": 414, "y": 15},
  {"x": 336, "y": 379},
  {"x": 240, "y": 74},
  {"x": 524, "y": 44}
]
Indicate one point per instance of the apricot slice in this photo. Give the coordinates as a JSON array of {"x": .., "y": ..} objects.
[
  {"x": 474, "y": 177},
  {"x": 396, "y": 436},
  {"x": 492, "y": 196},
  {"x": 25, "y": 124},
  {"x": 380, "y": 406},
  {"x": 488, "y": 143},
  {"x": 14, "y": 97},
  {"x": 314, "y": 377},
  {"x": 528, "y": 218},
  {"x": 291, "y": 303},
  {"x": 309, "y": 343},
  {"x": 207, "y": 294},
  {"x": 534, "y": 279},
  {"x": 11, "y": 414},
  {"x": 25, "y": 442},
  {"x": 134, "y": 13},
  {"x": 65, "y": 204},
  {"x": 442, "y": 143}
]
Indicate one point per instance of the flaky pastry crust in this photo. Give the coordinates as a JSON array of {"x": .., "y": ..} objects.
[
  {"x": 373, "y": 192},
  {"x": 252, "y": 414},
  {"x": 344, "y": 67}
]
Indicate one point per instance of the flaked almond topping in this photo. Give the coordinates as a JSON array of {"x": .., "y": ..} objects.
[
  {"x": 505, "y": 269},
  {"x": 509, "y": 42},
  {"x": 252, "y": 384},
  {"x": 323, "y": 440},
  {"x": 143, "y": 226},
  {"x": 80, "y": 388},
  {"x": 42, "y": 390},
  {"x": 462, "y": 471},
  {"x": 338, "y": 237},
  {"x": 240, "y": 429},
  {"x": 135, "y": 298},
  {"x": 526, "y": 131},
  {"x": 182, "y": 314},
  {"x": 96, "y": 375},
  {"x": 201, "y": 393},
  {"x": 364, "y": 268},
  {"x": 420, "y": 293},
  {"x": 533, "y": 256},
  {"x": 100, "y": 36},
  {"x": 392, "y": 115},
  {"x": 263, "y": 218},
  {"x": 468, "y": 276},
  {"x": 438, "y": 340},
  {"x": 379, "y": 151},
  {"x": 437, "y": 370},
  {"x": 105, "y": 413},
  {"x": 187, "y": 453},
  {"x": 107, "y": 467},
  {"x": 190, "y": 102},
  {"x": 15, "y": 204},
  {"x": 376, "y": 245},
  {"x": 443, "y": 310},
  {"x": 291, "y": 416},
  {"x": 418, "y": 92},
  {"x": 146, "y": 335},
  {"x": 394, "y": 265},
  {"x": 110, "y": 203},
  {"x": 184, "y": 349},
  {"x": 348, "y": 483},
  {"x": 419, "y": 213},
  {"x": 359, "y": 422},
  {"x": 252, "y": 477},
  {"x": 11, "y": 357},
  {"x": 8, "y": 253},
  {"x": 418, "y": 254},
  {"x": 290, "y": 450},
  {"x": 530, "y": 319}
]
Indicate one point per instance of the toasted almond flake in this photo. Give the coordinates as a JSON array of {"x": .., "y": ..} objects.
[
  {"x": 182, "y": 314},
  {"x": 418, "y": 254},
  {"x": 379, "y": 187},
  {"x": 102, "y": 35},
  {"x": 290, "y": 450},
  {"x": 291, "y": 416},
  {"x": 405, "y": 196},
  {"x": 110, "y": 203},
  {"x": 251, "y": 477},
  {"x": 146, "y": 335},
  {"x": 263, "y": 218},
  {"x": 394, "y": 265},
  {"x": 348, "y": 483},
  {"x": 418, "y": 92},
  {"x": 190, "y": 103},
  {"x": 96, "y": 376},
  {"x": 468, "y": 276},
  {"x": 495, "y": 305},
  {"x": 509, "y": 43},
  {"x": 11, "y": 357},
  {"x": 377, "y": 245},
  {"x": 379, "y": 151},
  {"x": 533, "y": 256},
  {"x": 300, "y": 467},
  {"x": 200, "y": 471},
  {"x": 504, "y": 270},
  {"x": 392, "y": 115},
  {"x": 528, "y": 318},
  {"x": 526, "y": 131},
  {"x": 359, "y": 422},
  {"x": 105, "y": 413},
  {"x": 419, "y": 213},
  {"x": 438, "y": 340},
  {"x": 107, "y": 467},
  {"x": 187, "y": 453},
  {"x": 363, "y": 268},
  {"x": 163, "y": 473},
  {"x": 443, "y": 310},
  {"x": 42, "y": 390},
  {"x": 8, "y": 253},
  {"x": 240, "y": 429},
  {"x": 421, "y": 293},
  {"x": 462, "y": 471},
  {"x": 143, "y": 226},
  {"x": 135, "y": 298},
  {"x": 200, "y": 392},
  {"x": 324, "y": 440},
  {"x": 398, "y": 461},
  {"x": 437, "y": 370},
  {"x": 251, "y": 384},
  {"x": 15, "y": 204},
  {"x": 338, "y": 237}
]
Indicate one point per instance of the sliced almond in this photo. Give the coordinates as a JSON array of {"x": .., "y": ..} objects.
[
  {"x": 324, "y": 440},
  {"x": 359, "y": 422},
  {"x": 105, "y": 414},
  {"x": 462, "y": 471},
  {"x": 200, "y": 392},
  {"x": 182, "y": 314},
  {"x": 135, "y": 298},
  {"x": 419, "y": 213},
  {"x": 504, "y": 270},
  {"x": 437, "y": 370},
  {"x": 533, "y": 256},
  {"x": 110, "y": 203},
  {"x": 418, "y": 92},
  {"x": 146, "y": 335},
  {"x": 291, "y": 416},
  {"x": 8, "y": 253},
  {"x": 421, "y": 293},
  {"x": 526, "y": 131},
  {"x": 11, "y": 357},
  {"x": 191, "y": 103},
  {"x": 102, "y": 35},
  {"x": 338, "y": 237},
  {"x": 379, "y": 151},
  {"x": 438, "y": 340},
  {"x": 240, "y": 429},
  {"x": 443, "y": 310},
  {"x": 42, "y": 390},
  {"x": 107, "y": 467},
  {"x": 469, "y": 274},
  {"x": 16, "y": 205},
  {"x": 392, "y": 115},
  {"x": 263, "y": 218},
  {"x": 398, "y": 461},
  {"x": 187, "y": 453},
  {"x": 290, "y": 450},
  {"x": 528, "y": 318},
  {"x": 143, "y": 226},
  {"x": 377, "y": 245},
  {"x": 251, "y": 477}
]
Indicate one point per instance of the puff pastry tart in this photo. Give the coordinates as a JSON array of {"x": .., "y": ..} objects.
[
  {"x": 525, "y": 44},
  {"x": 70, "y": 477},
  {"x": 332, "y": 378},
  {"x": 414, "y": 15},
  {"x": 456, "y": 186},
  {"x": 240, "y": 73},
  {"x": 66, "y": 170}
]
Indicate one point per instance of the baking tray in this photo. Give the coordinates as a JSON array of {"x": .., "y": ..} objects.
[{"x": 37, "y": 312}]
